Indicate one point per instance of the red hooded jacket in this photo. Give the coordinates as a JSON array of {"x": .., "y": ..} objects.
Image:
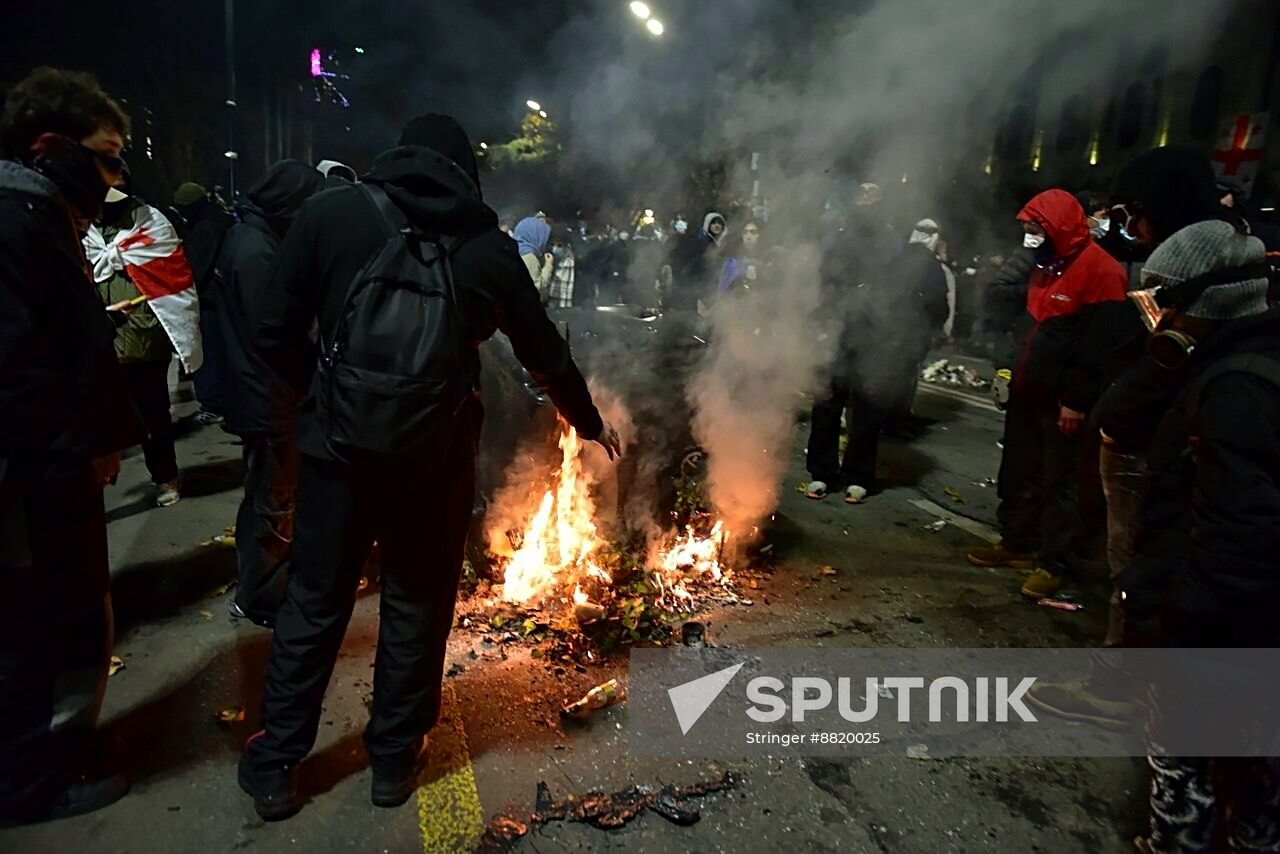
[{"x": 1060, "y": 299}]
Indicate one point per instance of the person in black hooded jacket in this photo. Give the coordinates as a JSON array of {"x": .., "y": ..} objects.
[
  {"x": 418, "y": 511},
  {"x": 258, "y": 407}
]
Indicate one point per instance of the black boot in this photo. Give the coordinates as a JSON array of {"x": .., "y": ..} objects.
[
  {"x": 395, "y": 782},
  {"x": 275, "y": 792},
  {"x": 80, "y": 797}
]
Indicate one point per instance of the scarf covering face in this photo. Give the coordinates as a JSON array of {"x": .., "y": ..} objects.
[{"x": 532, "y": 235}]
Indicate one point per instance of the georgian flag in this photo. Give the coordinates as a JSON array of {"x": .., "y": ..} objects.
[{"x": 150, "y": 253}]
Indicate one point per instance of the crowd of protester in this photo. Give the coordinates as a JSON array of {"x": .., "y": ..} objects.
[{"x": 1132, "y": 335}]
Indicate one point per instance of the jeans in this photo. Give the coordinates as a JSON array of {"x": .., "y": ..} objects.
[{"x": 1123, "y": 483}]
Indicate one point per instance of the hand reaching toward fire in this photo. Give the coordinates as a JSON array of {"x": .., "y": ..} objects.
[{"x": 608, "y": 439}]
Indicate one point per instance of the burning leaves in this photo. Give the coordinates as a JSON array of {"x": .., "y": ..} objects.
[{"x": 561, "y": 565}]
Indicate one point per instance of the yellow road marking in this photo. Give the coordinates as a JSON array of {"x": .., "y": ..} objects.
[{"x": 450, "y": 818}]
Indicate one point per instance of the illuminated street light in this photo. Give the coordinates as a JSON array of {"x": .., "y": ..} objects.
[
  {"x": 641, "y": 10},
  {"x": 359, "y": 50},
  {"x": 542, "y": 113},
  {"x": 533, "y": 105},
  {"x": 485, "y": 146},
  {"x": 655, "y": 26}
]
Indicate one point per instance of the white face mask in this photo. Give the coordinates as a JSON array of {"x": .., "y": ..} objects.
[
  {"x": 1033, "y": 241},
  {"x": 1100, "y": 228}
]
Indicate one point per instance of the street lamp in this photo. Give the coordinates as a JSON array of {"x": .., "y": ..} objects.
[
  {"x": 655, "y": 26},
  {"x": 542, "y": 113},
  {"x": 485, "y": 146},
  {"x": 641, "y": 10},
  {"x": 533, "y": 105}
]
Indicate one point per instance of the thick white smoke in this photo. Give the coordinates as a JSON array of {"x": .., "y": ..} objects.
[{"x": 883, "y": 90}]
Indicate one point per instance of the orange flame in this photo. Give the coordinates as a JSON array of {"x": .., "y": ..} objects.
[
  {"x": 557, "y": 550},
  {"x": 560, "y": 537}
]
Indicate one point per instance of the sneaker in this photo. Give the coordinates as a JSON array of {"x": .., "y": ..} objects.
[
  {"x": 238, "y": 613},
  {"x": 855, "y": 494},
  {"x": 395, "y": 782},
  {"x": 998, "y": 555},
  {"x": 80, "y": 797},
  {"x": 1076, "y": 702},
  {"x": 1042, "y": 584},
  {"x": 205, "y": 418},
  {"x": 816, "y": 489},
  {"x": 167, "y": 494},
  {"x": 275, "y": 793}
]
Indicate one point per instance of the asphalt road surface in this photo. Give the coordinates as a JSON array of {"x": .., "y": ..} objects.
[{"x": 897, "y": 583}]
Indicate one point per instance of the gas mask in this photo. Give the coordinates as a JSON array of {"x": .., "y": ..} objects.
[
  {"x": 1159, "y": 304},
  {"x": 1033, "y": 241}
]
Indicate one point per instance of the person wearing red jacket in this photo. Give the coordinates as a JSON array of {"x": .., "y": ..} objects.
[{"x": 1052, "y": 391}]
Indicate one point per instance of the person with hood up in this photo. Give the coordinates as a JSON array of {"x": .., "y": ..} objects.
[
  {"x": 64, "y": 416},
  {"x": 203, "y": 223},
  {"x": 336, "y": 174},
  {"x": 416, "y": 504},
  {"x": 259, "y": 406},
  {"x": 890, "y": 309},
  {"x": 1156, "y": 195},
  {"x": 694, "y": 258},
  {"x": 1051, "y": 394},
  {"x": 533, "y": 235},
  {"x": 1204, "y": 572}
]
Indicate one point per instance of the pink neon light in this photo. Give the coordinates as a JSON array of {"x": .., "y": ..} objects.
[{"x": 317, "y": 70}]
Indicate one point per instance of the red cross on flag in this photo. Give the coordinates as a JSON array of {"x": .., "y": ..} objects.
[{"x": 1240, "y": 149}]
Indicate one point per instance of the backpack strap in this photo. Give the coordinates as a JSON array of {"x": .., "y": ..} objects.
[{"x": 1255, "y": 365}]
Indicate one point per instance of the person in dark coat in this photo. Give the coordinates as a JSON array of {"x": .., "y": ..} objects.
[
  {"x": 64, "y": 416},
  {"x": 694, "y": 263},
  {"x": 203, "y": 223},
  {"x": 1050, "y": 394},
  {"x": 259, "y": 407},
  {"x": 889, "y": 308},
  {"x": 417, "y": 509},
  {"x": 1205, "y": 571}
]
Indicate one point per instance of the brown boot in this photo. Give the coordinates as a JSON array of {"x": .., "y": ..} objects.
[{"x": 998, "y": 555}]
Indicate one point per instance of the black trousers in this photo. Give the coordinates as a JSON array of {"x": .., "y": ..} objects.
[
  {"x": 264, "y": 524},
  {"x": 865, "y": 418},
  {"x": 210, "y": 381},
  {"x": 55, "y": 633},
  {"x": 149, "y": 387},
  {"x": 1038, "y": 486},
  {"x": 418, "y": 515}
]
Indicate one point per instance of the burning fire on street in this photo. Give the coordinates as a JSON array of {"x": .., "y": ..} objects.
[{"x": 561, "y": 564}]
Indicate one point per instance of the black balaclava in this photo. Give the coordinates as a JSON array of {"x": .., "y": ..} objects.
[{"x": 1174, "y": 185}]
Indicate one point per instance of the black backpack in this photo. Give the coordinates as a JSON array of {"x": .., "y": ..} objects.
[{"x": 400, "y": 364}]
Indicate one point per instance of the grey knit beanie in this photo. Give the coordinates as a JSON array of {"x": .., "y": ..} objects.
[{"x": 1206, "y": 247}]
